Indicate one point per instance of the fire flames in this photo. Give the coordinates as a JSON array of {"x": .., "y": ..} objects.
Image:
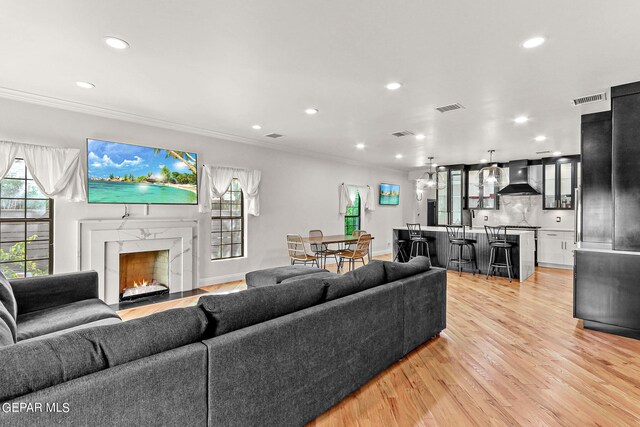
[{"x": 141, "y": 282}]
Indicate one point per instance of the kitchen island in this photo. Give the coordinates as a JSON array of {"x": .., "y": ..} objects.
[{"x": 522, "y": 256}]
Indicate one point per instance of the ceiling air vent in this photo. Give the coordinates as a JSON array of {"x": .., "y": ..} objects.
[
  {"x": 273, "y": 135},
  {"x": 402, "y": 133},
  {"x": 450, "y": 107},
  {"x": 543, "y": 152},
  {"x": 590, "y": 98}
]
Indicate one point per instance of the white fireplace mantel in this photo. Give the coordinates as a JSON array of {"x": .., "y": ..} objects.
[{"x": 102, "y": 241}]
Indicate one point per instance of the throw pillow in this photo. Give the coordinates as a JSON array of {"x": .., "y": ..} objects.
[
  {"x": 399, "y": 270},
  {"x": 239, "y": 310},
  {"x": 7, "y": 298},
  {"x": 7, "y": 327}
]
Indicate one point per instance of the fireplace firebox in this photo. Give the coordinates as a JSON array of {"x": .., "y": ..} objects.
[{"x": 143, "y": 274}]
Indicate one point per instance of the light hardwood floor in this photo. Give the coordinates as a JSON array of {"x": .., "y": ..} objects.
[{"x": 511, "y": 355}]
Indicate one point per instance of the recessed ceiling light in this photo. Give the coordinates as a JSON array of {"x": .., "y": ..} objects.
[
  {"x": 116, "y": 43},
  {"x": 540, "y": 138},
  {"x": 533, "y": 42},
  {"x": 419, "y": 137},
  {"x": 521, "y": 119},
  {"x": 360, "y": 146},
  {"x": 557, "y": 153},
  {"x": 398, "y": 156},
  {"x": 311, "y": 111},
  {"x": 483, "y": 160},
  {"x": 257, "y": 127},
  {"x": 85, "y": 85},
  {"x": 394, "y": 86}
]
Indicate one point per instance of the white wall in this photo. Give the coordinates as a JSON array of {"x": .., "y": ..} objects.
[{"x": 298, "y": 192}]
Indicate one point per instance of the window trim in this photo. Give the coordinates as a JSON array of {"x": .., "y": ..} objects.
[
  {"x": 27, "y": 221},
  {"x": 242, "y": 219}
]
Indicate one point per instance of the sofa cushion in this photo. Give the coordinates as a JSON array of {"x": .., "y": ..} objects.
[
  {"x": 309, "y": 278},
  {"x": 400, "y": 270},
  {"x": 62, "y": 317},
  {"x": 245, "y": 308},
  {"x": 7, "y": 327},
  {"x": 273, "y": 276},
  {"x": 101, "y": 322},
  {"x": 7, "y": 298},
  {"x": 37, "y": 364},
  {"x": 360, "y": 279}
]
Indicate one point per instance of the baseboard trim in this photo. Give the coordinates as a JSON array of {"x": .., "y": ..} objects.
[
  {"x": 216, "y": 280},
  {"x": 611, "y": 329},
  {"x": 559, "y": 266}
]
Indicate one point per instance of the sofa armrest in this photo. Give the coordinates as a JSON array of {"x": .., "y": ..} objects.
[{"x": 38, "y": 293}]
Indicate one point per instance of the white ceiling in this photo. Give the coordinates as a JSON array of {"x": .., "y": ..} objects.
[{"x": 222, "y": 66}]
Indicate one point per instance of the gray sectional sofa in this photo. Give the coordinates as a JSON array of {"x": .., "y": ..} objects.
[{"x": 274, "y": 355}]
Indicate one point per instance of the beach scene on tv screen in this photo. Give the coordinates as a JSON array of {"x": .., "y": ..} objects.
[
  {"x": 124, "y": 173},
  {"x": 389, "y": 194}
]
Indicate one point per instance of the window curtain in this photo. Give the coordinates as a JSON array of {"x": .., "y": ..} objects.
[
  {"x": 215, "y": 180},
  {"x": 8, "y": 154},
  {"x": 348, "y": 194},
  {"x": 58, "y": 172}
]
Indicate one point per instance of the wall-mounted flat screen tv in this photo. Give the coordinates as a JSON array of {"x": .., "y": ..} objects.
[
  {"x": 389, "y": 194},
  {"x": 132, "y": 174}
]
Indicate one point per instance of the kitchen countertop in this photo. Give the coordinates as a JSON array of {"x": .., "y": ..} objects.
[
  {"x": 570, "y": 230},
  {"x": 474, "y": 230}
]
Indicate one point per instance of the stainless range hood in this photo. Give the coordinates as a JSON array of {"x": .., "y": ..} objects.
[{"x": 518, "y": 180}]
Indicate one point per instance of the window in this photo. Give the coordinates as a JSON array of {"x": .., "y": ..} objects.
[
  {"x": 352, "y": 217},
  {"x": 227, "y": 224},
  {"x": 26, "y": 225}
]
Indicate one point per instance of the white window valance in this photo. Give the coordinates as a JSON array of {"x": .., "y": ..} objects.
[
  {"x": 58, "y": 172},
  {"x": 348, "y": 193},
  {"x": 214, "y": 181}
]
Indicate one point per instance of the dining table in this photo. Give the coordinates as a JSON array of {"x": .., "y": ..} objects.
[{"x": 336, "y": 239}]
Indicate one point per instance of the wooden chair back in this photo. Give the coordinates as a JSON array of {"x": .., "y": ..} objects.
[
  {"x": 317, "y": 247},
  {"x": 295, "y": 246},
  {"x": 362, "y": 247}
]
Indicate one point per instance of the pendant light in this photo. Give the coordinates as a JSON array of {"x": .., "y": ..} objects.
[
  {"x": 428, "y": 177},
  {"x": 491, "y": 174}
]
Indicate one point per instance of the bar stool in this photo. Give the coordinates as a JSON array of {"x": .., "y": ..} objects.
[
  {"x": 497, "y": 237},
  {"x": 458, "y": 242},
  {"x": 418, "y": 241},
  {"x": 401, "y": 254}
]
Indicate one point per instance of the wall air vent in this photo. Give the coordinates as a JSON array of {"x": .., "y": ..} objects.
[
  {"x": 450, "y": 107},
  {"x": 589, "y": 99},
  {"x": 402, "y": 133},
  {"x": 273, "y": 135}
]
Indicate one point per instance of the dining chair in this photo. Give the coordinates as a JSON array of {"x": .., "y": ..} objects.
[
  {"x": 359, "y": 253},
  {"x": 297, "y": 251},
  {"x": 351, "y": 246},
  {"x": 321, "y": 250}
]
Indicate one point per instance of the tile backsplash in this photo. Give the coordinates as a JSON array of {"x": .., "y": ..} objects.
[{"x": 525, "y": 210}]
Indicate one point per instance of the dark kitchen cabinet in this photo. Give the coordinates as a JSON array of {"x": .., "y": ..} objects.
[
  {"x": 481, "y": 196},
  {"x": 625, "y": 105},
  {"x": 451, "y": 194},
  {"x": 559, "y": 183},
  {"x": 596, "y": 183}
]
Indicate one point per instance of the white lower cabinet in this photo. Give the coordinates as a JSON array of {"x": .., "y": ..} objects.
[{"x": 556, "y": 247}]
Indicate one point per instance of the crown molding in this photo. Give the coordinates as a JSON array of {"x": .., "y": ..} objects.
[{"x": 78, "y": 107}]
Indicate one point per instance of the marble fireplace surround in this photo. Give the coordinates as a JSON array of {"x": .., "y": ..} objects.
[{"x": 102, "y": 242}]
